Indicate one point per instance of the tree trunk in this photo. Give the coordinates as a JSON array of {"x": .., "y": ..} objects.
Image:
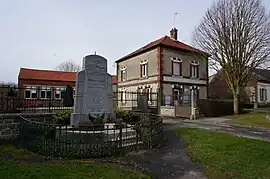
[{"x": 236, "y": 104}]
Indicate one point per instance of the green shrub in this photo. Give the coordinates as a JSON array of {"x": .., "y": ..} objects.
[
  {"x": 62, "y": 118},
  {"x": 126, "y": 115}
]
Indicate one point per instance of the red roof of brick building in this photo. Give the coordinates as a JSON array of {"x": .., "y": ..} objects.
[
  {"x": 165, "y": 41},
  {"x": 50, "y": 75}
]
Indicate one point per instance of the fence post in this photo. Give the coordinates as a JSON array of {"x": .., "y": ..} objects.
[
  {"x": 159, "y": 99},
  {"x": 121, "y": 138},
  {"x": 137, "y": 138}
]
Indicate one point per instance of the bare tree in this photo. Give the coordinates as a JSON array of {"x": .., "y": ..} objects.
[
  {"x": 70, "y": 66},
  {"x": 236, "y": 33}
]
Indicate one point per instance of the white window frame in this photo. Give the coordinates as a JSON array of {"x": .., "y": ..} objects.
[
  {"x": 177, "y": 60},
  {"x": 194, "y": 69},
  {"x": 32, "y": 89},
  {"x": 45, "y": 89},
  {"x": 123, "y": 74},
  {"x": 59, "y": 90},
  {"x": 144, "y": 68},
  {"x": 263, "y": 94},
  {"x": 123, "y": 96}
]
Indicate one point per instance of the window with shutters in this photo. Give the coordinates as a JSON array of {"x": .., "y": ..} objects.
[
  {"x": 144, "y": 68},
  {"x": 176, "y": 66},
  {"x": 194, "y": 69}
]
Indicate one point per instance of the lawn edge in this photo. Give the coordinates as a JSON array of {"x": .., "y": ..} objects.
[{"x": 247, "y": 126}]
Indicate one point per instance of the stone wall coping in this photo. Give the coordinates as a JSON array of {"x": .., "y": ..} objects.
[
  {"x": 42, "y": 108},
  {"x": 24, "y": 114}
]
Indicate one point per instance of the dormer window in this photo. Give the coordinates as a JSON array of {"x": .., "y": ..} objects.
[
  {"x": 123, "y": 74},
  {"x": 144, "y": 68},
  {"x": 176, "y": 66},
  {"x": 194, "y": 69}
]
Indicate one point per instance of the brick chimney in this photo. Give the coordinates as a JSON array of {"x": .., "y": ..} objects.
[{"x": 173, "y": 33}]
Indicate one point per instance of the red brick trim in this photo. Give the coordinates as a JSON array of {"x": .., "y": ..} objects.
[{"x": 159, "y": 65}]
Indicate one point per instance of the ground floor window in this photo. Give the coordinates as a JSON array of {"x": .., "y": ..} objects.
[
  {"x": 263, "y": 94},
  {"x": 30, "y": 92},
  {"x": 123, "y": 96},
  {"x": 45, "y": 93},
  {"x": 59, "y": 93},
  {"x": 149, "y": 94}
]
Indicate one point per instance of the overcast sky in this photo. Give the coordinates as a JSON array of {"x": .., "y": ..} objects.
[{"x": 43, "y": 33}]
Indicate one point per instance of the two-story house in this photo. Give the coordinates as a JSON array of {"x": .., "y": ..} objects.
[{"x": 165, "y": 66}]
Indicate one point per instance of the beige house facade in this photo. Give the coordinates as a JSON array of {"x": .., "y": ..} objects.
[{"x": 166, "y": 70}]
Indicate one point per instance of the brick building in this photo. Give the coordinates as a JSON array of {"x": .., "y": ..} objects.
[
  {"x": 257, "y": 89},
  {"x": 46, "y": 84}
]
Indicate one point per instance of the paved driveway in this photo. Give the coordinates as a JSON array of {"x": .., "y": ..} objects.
[
  {"x": 169, "y": 162},
  {"x": 217, "y": 125}
]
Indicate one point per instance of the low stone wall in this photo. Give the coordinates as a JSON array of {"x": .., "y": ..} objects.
[
  {"x": 168, "y": 111},
  {"x": 10, "y": 123},
  {"x": 175, "y": 111}
]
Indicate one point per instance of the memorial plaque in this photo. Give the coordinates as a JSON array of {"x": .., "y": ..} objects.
[{"x": 93, "y": 90}]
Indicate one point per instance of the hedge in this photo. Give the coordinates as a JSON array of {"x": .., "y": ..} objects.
[{"x": 217, "y": 108}]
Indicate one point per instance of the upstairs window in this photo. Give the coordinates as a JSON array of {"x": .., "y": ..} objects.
[
  {"x": 176, "y": 66},
  {"x": 46, "y": 93},
  {"x": 59, "y": 93},
  {"x": 30, "y": 92},
  {"x": 123, "y": 74},
  {"x": 144, "y": 68},
  {"x": 194, "y": 69}
]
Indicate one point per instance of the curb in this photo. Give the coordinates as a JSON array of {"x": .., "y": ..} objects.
[{"x": 246, "y": 126}]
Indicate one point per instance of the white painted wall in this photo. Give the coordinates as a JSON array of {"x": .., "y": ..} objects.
[{"x": 265, "y": 86}]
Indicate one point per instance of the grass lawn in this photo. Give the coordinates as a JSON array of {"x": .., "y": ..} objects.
[
  {"x": 256, "y": 119},
  {"x": 80, "y": 170},
  {"x": 226, "y": 156}
]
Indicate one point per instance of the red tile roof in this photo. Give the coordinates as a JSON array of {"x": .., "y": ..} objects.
[
  {"x": 51, "y": 75},
  {"x": 165, "y": 41},
  {"x": 114, "y": 79}
]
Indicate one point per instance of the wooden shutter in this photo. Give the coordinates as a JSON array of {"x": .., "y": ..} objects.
[
  {"x": 140, "y": 70},
  {"x": 197, "y": 68},
  {"x": 261, "y": 99},
  {"x": 190, "y": 69},
  {"x": 172, "y": 67},
  {"x": 180, "y": 70}
]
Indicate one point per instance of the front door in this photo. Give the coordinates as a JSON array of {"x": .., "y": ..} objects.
[{"x": 176, "y": 96}]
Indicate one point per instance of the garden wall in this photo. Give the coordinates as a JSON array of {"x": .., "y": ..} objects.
[{"x": 10, "y": 123}]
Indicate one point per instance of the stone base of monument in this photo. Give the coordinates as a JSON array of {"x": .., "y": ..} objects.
[
  {"x": 77, "y": 118},
  {"x": 69, "y": 134}
]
